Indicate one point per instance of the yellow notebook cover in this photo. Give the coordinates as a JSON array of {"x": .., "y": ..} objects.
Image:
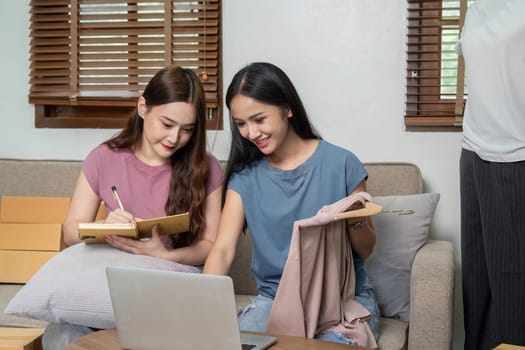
[{"x": 94, "y": 232}]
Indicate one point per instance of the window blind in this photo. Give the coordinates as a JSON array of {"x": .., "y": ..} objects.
[
  {"x": 433, "y": 67},
  {"x": 91, "y": 59}
]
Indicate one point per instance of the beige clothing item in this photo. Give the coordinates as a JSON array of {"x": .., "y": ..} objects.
[{"x": 316, "y": 293}]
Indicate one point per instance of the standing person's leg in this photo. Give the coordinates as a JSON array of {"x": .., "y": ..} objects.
[
  {"x": 503, "y": 218},
  {"x": 476, "y": 289}
]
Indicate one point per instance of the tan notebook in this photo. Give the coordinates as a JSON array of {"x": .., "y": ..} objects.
[{"x": 94, "y": 232}]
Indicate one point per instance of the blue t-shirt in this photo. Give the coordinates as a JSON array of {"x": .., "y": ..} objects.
[{"x": 274, "y": 199}]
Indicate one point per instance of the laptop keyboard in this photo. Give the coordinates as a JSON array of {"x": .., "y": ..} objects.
[{"x": 247, "y": 346}]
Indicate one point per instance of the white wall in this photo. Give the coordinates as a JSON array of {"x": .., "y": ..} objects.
[{"x": 346, "y": 58}]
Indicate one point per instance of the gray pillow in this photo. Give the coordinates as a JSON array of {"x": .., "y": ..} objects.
[
  {"x": 72, "y": 287},
  {"x": 398, "y": 238}
]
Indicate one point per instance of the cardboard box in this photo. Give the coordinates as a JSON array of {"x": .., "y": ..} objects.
[
  {"x": 38, "y": 210},
  {"x": 21, "y": 338},
  {"x": 18, "y": 266},
  {"x": 31, "y": 234},
  {"x": 46, "y": 237}
]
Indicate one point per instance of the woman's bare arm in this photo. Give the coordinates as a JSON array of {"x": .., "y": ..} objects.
[
  {"x": 223, "y": 251},
  {"x": 362, "y": 237}
]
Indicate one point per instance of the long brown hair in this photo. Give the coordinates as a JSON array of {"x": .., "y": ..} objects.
[{"x": 189, "y": 165}]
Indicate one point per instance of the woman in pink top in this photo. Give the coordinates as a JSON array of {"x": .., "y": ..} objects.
[{"x": 160, "y": 166}]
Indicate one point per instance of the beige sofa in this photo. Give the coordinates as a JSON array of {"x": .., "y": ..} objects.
[{"x": 432, "y": 275}]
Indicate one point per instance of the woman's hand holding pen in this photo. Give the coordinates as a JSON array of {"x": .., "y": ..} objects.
[
  {"x": 151, "y": 247},
  {"x": 119, "y": 216}
]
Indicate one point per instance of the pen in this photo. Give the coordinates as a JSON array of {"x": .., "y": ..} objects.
[{"x": 117, "y": 198}]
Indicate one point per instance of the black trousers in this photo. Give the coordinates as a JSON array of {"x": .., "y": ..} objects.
[{"x": 492, "y": 251}]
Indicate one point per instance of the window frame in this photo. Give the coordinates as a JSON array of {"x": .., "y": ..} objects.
[
  {"x": 427, "y": 108},
  {"x": 62, "y": 96}
]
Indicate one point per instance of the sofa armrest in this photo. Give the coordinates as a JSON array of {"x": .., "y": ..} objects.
[{"x": 431, "y": 297}]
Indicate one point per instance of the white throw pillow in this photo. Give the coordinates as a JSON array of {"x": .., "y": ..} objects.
[
  {"x": 398, "y": 238},
  {"x": 72, "y": 287}
]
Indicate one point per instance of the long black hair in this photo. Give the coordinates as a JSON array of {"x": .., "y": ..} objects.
[{"x": 265, "y": 83}]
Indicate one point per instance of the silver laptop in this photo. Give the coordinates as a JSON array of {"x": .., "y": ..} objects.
[{"x": 157, "y": 310}]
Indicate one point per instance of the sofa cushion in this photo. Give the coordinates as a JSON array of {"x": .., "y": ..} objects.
[
  {"x": 393, "y": 334},
  {"x": 72, "y": 286},
  {"x": 398, "y": 238},
  {"x": 242, "y": 301}
]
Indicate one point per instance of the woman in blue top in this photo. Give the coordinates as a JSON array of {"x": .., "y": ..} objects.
[{"x": 280, "y": 171}]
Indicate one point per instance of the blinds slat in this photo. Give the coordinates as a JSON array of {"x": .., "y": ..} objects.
[
  {"x": 100, "y": 48},
  {"x": 432, "y": 30}
]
